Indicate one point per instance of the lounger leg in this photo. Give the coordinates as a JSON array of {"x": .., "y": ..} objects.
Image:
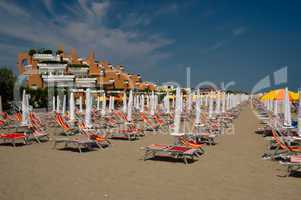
[
  {"x": 99, "y": 145},
  {"x": 79, "y": 148},
  {"x": 146, "y": 155},
  {"x": 54, "y": 146},
  {"x": 185, "y": 160}
]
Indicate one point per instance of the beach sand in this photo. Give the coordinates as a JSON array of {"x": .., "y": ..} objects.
[{"x": 232, "y": 169}]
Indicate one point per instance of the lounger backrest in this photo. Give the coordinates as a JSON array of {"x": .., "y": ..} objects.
[
  {"x": 277, "y": 140},
  {"x": 146, "y": 120},
  {"x": 18, "y": 116},
  {"x": 61, "y": 122},
  {"x": 158, "y": 119},
  {"x": 189, "y": 144}
]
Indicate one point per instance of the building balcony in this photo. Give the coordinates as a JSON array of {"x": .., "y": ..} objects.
[
  {"x": 51, "y": 67},
  {"x": 85, "y": 82},
  {"x": 59, "y": 80},
  {"x": 51, "y": 57},
  {"x": 78, "y": 70}
]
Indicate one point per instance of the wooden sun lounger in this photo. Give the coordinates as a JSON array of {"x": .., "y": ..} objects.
[
  {"x": 77, "y": 142},
  {"x": 125, "y": 134},
  {"x": 171, "y": 151},
  {"x": 13, "y": 138},
  {"x": 293, "y": 164}
]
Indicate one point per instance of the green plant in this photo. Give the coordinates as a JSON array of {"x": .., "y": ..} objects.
[
  {"x": 7, "y": 83},
  {"x": 31, "y": 52},
  {"x": 38, "y": 97}
]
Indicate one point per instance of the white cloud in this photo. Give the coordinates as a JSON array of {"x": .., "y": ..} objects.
[
  {"x": 12, "y": 9},
  {"x": 85, "y": 30}
]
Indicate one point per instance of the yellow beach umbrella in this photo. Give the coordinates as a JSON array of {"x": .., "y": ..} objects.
[{"x": 279, "y": 95}]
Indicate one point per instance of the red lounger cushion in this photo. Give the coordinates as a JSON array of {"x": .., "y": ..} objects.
[{"x": 13, "y": 136}]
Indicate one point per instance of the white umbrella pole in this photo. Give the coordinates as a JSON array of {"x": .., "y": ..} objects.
[
  {"x": 276, "y": 108},
  {"x": 80, "y": 104},
  {"x": 177, "y": 120},
  {"x": 24, "y": 109},
  {"x": 287, "y": 113},
  {"x": 98, "y": 104},
  {"x": 104, "y": 102},
  {"x": 129, "y": 114},
  {"x": 142, "y": 103},
  {"x": 113, "y": 103},
  {"x": 71, "y": 107},
  {"x": 197, "y": 109},
  {"x": 88, "y": 109},
  {"x": 124, "y": 103},
  {"x": 64, "y": 105},
  {"x": 210, "y": 110},
  {"x": 53, "y": 103}
]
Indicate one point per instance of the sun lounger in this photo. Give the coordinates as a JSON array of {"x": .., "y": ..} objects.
[
  {"x": 293, "y": 164},
  {"x": 171, "y": 151},
  {"x": 101, "y": 139},
  {"x": 38, "y": 131},
  {"x": 79, "y": 142},
  {"x": 13, "y": 138},
  {"x": 68, "y": 130}
]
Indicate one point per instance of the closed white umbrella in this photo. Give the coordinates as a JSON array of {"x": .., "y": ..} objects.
[
  {"x": 98, "y": 104},
  {"x": 223, "y": 103},
  {"x": 137, "y": 102},
  {"x": 64, "y": 105},
  {"x": 210, "y": 110},
  {"x": 167, "y": 104},
  {"x": 27, "y": 104},
  {"x": 156, "y": 102},
  {"x": 24, "y": 108},
  {"x": 218, "y": 103},
  {"x": 201, "y": 100},
  {"x": 181, "y": 103},
  {"x": 228, "y": 102},
  {"x": 134, "y": 101},
  {"x": 142, "y": 103},
  {"x": 152, "y": 104},
  {"x": 80, "y": 104},
  {"x": 275, "y": 107},
  {"x": 104, "y": 102},
  {"x": 147, "y": 102},
  {"x": 71, "y": 107},
  {"x": 130, "y": 104},
  {"x": 177, "y": 120},
  {"x": 53, "y": 103},
  {"x": 287, "y": 111},
  {"x": 110, "y": 104},
  {"x": 124, "y": 109},
  {"x": 113, "y": 103},
  {"x": 197, "y": 109},
  {"x": 58, "y": 103},
  {"x": 189, "y": 102},
  {"x": 173, "y": 103},
  {"x": 88, "y": 120}
]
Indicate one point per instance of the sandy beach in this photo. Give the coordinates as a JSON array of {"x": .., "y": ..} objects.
[{"x": 232, "y": 169}]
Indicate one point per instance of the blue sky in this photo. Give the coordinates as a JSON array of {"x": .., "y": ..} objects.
[{"x": 220, "y": 41}]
